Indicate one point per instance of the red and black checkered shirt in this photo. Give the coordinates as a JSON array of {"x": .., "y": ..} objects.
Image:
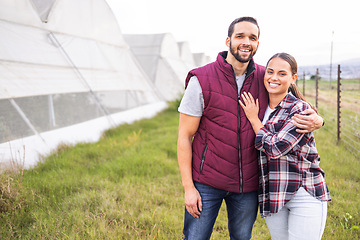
[{"x": 288, "y": 160}]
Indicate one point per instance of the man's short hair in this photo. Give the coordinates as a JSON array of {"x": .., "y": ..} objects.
[{"x": 242, "y": 19}]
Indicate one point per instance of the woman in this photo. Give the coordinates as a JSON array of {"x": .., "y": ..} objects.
[{"x": 293, "y": 194}]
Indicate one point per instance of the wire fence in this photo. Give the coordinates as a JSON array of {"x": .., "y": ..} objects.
[{"x": 338, "y": 102}]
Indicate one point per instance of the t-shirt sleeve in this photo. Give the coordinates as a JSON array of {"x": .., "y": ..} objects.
[{"x": 192, "y": 102}]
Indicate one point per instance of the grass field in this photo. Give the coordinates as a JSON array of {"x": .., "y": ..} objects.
[
  {"x": 128, "y": 186},
  {"x": 349, "y": 109}
]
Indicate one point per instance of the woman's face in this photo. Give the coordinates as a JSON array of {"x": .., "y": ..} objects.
[{"x": 278, "y": 77}]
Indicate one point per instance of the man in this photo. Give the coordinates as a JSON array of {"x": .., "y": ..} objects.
[{"x": 216, "y": 153}]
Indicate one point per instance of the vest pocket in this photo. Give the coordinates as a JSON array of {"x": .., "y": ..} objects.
[{"x": 203, "y": 158}]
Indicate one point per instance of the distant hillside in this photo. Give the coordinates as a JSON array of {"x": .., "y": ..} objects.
[{"x": 350, "y": 69}]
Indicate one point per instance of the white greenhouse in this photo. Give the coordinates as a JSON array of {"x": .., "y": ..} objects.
[
  {"x": 201, "y": 59},
  {"x": 159, "y": 56},
  {"x": 186, "y": 55},
  {"x": 66, "y": 75}
]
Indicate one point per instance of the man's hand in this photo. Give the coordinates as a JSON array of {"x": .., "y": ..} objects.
[
  {"x": 193, "y": 202},
  {"x": 307, "y": 121},
  {"x": 188, "y": 126}
]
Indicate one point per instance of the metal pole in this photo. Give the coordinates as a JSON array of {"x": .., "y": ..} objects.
[
  {"x": 304, "y": 84},
  {"x": 331, "y": 54},
  {"x": 52, "y": 121},
  {"x": 24, "y": 117},
  {"x": 316, "y": 88},
  {"x": 338, "y": 104}
]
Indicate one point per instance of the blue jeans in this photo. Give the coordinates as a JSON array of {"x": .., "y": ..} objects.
[
  {"x": 241, "y": 211},
  {"x": 303, "y": 217}
]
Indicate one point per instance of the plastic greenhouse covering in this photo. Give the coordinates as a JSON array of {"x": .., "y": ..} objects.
[{"x": 67, "y": 74}]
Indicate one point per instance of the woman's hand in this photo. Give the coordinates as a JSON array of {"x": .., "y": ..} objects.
[
  {"x": 250, "y": 106},
  {"x": 251, "y": 109}
]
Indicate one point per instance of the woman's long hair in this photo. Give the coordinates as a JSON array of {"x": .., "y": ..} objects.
[{"x": 293, "y": 65}]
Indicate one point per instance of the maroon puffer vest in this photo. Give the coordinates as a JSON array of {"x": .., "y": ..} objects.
[{"x": 224, "y": 155}]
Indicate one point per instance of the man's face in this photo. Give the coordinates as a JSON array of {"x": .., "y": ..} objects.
[{"x": 244, "y": 41}]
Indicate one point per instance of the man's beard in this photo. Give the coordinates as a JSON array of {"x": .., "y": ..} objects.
[{"x": 238, "y": 57}]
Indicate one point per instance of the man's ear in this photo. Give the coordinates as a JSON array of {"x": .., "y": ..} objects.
[{"x": 227, "y": 41}]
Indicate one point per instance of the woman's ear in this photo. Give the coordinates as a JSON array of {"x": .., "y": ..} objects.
[{"x": 294, "y": 77}]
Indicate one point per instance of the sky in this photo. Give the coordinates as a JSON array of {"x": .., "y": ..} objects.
[{"x": 305, "y": 29}]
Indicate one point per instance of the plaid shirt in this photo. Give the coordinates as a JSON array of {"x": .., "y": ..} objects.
[{"x": 288, "y": 160}]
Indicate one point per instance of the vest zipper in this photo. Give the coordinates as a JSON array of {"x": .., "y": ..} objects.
[
  {"x": 240, "y": 167},
  {"x": 241, "y": 188},
  {"x": 239, "y": 126},
  {"x": 203, "y": 158}
]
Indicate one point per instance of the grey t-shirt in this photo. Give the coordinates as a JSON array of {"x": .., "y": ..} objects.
[{"x": 192, "y": 102}]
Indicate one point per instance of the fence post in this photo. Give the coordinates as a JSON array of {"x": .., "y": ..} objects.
[
  {"x": 338, "y": 104},
  {"x": 316, "y": 88},
  {"x": 304, "y": 84}
]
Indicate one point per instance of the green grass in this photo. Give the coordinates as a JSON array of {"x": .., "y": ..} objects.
[{"x": 128, "y": 186}]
